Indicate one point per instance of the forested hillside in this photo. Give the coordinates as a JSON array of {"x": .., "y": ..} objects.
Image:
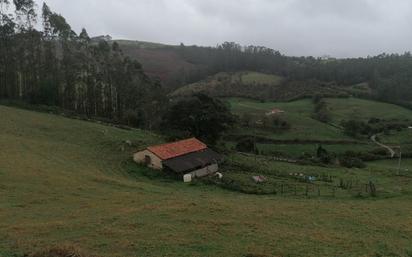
[
  {"x": 55, "y": 66},
  {"x": 388, "y": 76}
]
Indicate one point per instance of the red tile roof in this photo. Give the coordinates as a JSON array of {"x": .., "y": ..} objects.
[{"x": 172, "y": 150}]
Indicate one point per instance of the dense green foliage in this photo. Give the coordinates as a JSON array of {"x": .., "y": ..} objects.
[
  {"x": 200, "y": 116},
  {"x": 321, "y": 112},
  {"x": 352, "y": 160},
  {"x": 357, "y": 128},
  {"x": 388, "y": 76},
  {"x": 56, "y": 66},
  {"x": 246, "y": 145}
]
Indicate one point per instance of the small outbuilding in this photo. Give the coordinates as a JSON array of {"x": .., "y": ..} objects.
[
  {"x": 190, "y": 156},
  {"x": 275, "y": 112}
]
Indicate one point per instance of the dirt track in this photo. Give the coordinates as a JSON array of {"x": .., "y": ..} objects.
[{"x": 391, "y": 151}]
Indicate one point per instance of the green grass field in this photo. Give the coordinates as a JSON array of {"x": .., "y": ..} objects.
[
  {"x": 398, "y": 138},
  {"x": 392, "y": 165},
  {"x": 250, "y": 78},
  {"x": 297, "y": 150},
  {"x": 304, "y": 127},
  {"x": 382, "y": 173},
  {"x": 246, "y": 83},
  {"x": 69, "y": 182},
  {"x": 353, "y": 108},
  {"x": 297, "y": 113}
]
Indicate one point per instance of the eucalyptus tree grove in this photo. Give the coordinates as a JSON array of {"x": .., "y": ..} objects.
[{"x": 55, "y": 66}]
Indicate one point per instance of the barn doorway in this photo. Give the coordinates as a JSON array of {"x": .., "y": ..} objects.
[{"x": 147, "y": 160}]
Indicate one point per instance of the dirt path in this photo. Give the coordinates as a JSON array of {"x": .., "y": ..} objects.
[{"x": 391, "y": 151}]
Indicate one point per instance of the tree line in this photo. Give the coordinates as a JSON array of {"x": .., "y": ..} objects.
[
  {"x": 389, "y": 76},
  {"x": 55, "y": 66}
]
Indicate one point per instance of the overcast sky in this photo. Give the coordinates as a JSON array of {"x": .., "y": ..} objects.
[{"x": 340, "y": 28}]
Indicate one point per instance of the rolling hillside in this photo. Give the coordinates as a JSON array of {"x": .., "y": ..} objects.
[
  {"x": 256, "y": 85},
  {"x": 360, "y": 109},
  {"x": 241, "y": 84},
  {"x": 69, "y": 182},
  {"x": 305, "y": 128},
  {"x": 158, "y": 60}
]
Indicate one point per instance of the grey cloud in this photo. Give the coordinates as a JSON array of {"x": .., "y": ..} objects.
[{"x": 339, "y": 28}]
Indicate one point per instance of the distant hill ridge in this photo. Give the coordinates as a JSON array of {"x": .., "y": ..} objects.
[
  {"x": 256, "y": 85},
  {"x": 387, "y": 76}
]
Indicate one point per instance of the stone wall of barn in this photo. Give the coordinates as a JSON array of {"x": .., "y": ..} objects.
[{"x": 155, "y": 162}]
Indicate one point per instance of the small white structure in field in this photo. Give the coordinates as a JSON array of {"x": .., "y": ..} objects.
[
  {"x": 274, "y": 112},
  {"x": 187, "y": 178}
]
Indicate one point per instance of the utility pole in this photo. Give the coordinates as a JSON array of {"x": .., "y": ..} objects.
[
  {"x": 400, "y": 157},
  {"x": 256, "y": 124},
  {"x": 254, "y": 140},
  {"x": 400, "y": 160}
]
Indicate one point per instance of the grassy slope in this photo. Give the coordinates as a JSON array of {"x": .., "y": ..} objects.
[
  {"x": 246, "y": 83},
  {"x": 382, "y": 173},
  {"x": 354, "y": 108},
  {"x": 62, "y": 181},
  {"x": 364, "y": 110},
  {"x": 304, "y": 127},
  {"x": 298, "y": 113},
  {"x": 249, "y": 78},
  {"x": 392, "y": 165},
  {"x": 256, "y": 85}
]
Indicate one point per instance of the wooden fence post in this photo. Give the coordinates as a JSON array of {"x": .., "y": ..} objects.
[{"x": 372, "y": 189}]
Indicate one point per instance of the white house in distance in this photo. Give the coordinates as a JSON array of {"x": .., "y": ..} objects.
[
  {"x": 189, "y": 156},
  {"x": 275, "y": 112}
]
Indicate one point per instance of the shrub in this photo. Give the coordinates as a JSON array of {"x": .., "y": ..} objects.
[
  {"x": 317, "y": 98},
  {"x": 246, "y": 120},
  {"x": 379, "y": 151},
  {"x": 321, "y": 112},
  {"x": 351, "y": 162},
  {"x": 279, "y": 123},
  {"x": 246, "y": 146},
  {"x": 355, "y": 128},
  {"x": 132, "y": 118},
  {"x": 323, "y": 155}
]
